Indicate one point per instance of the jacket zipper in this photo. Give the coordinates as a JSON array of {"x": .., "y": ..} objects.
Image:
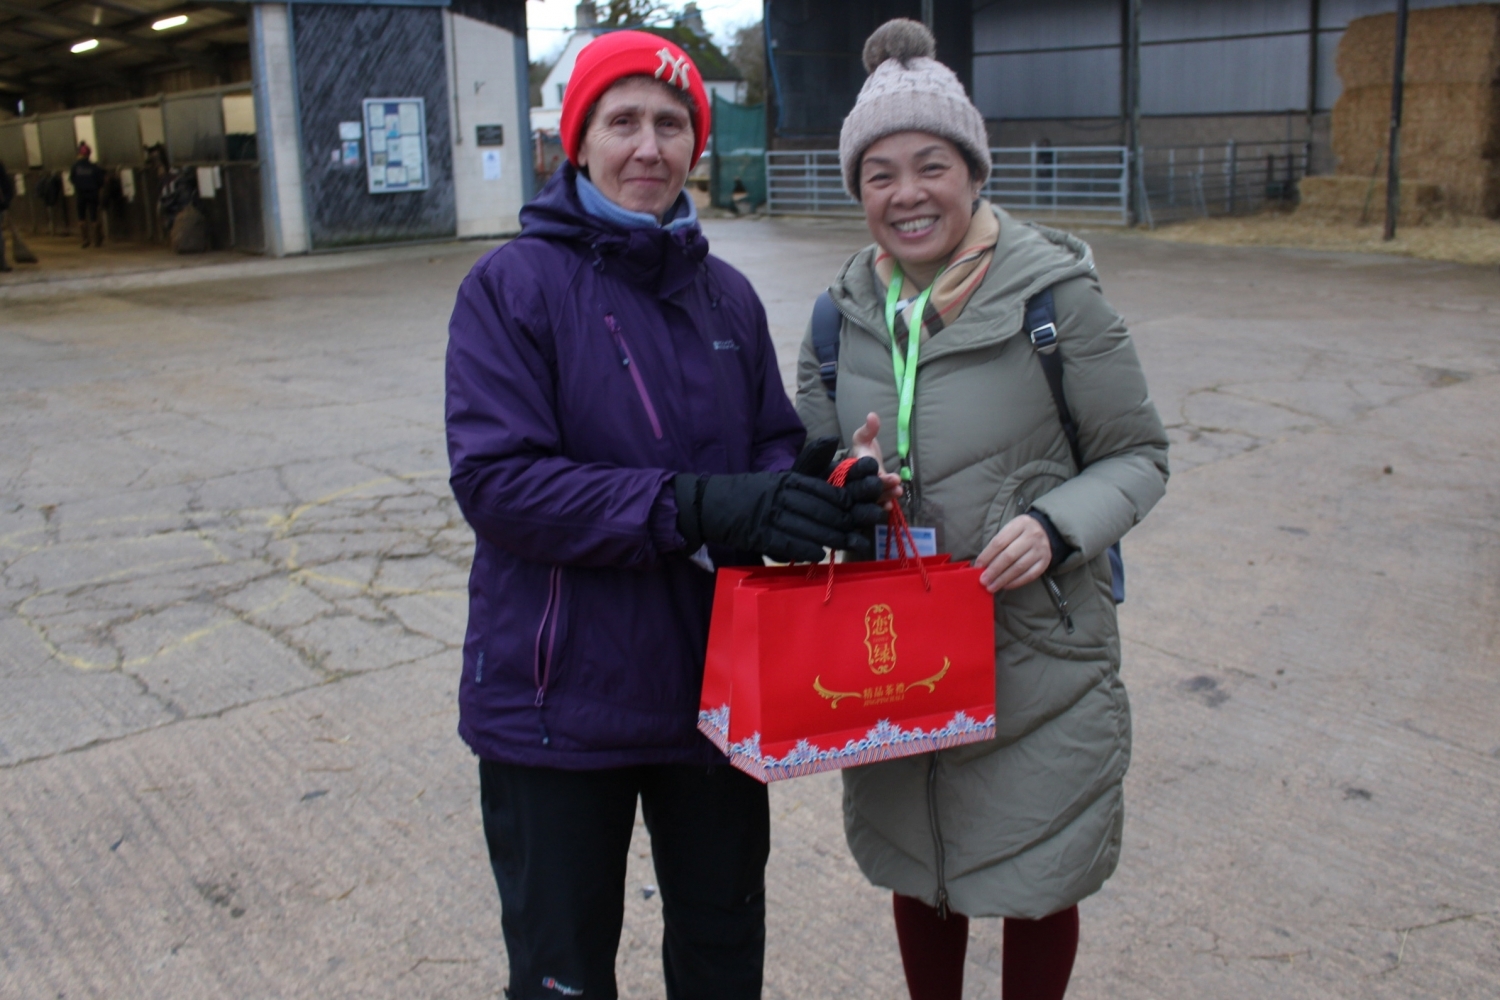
[
  {"x": 1054, "y": 592},
  {"x": 628, "y": 363},
  {"x": 937, "y": 839},
  {"x": 542, "y": 671}
]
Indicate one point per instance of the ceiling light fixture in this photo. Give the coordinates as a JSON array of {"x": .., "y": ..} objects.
[
  {"x": 85, "y": 46},
  {"x": 169, "y": 22}
]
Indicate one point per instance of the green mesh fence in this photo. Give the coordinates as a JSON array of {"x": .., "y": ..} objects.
[{"x": 739, "y": 152}]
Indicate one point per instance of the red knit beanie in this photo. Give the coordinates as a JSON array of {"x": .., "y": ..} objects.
[{"x": 610, "y": 58}]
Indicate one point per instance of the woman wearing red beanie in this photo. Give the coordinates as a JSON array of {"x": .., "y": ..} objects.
[{"x": 617, "y": 427}]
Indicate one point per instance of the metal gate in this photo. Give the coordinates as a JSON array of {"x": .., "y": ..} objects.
[
  {"x": 1079, "y": 184},
  {"x": 1232, "y": 178}
]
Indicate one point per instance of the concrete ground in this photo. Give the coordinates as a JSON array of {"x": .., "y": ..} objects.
[
  {"x": 232, "y": 592},
  {"x": 63, "y": 257}
]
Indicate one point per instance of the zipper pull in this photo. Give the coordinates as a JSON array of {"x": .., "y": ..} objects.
[
  {"x": 614, "y": 331},
  {"x": 1059, "y": 601},
  {"x": 546, "y": 737},
  {"x": 942, "y": 901}
]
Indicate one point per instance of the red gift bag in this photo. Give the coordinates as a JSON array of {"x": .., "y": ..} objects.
[{"x": 814, "y": 669}]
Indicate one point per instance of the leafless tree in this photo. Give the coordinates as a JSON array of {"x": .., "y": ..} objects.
[{"x": 748, "y": 52}]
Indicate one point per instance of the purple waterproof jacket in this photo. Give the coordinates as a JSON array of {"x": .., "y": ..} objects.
[{"x": 587, "y": 365}]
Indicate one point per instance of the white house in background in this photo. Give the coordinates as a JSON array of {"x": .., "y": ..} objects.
[{"x": 720, "y": 76}]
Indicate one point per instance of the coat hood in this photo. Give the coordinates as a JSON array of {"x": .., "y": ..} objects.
[
  {"x": 662, "y": 260},
  {"x": 1028, "y": 258}
]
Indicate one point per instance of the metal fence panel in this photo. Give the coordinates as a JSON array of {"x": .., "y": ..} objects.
[
  {"x": 1086, "y": 184},
  {"x": 1234, "y": 178},
  {"x": 195, "y": 128},
  {"x": 13, "y": 147},
  {"x": 59, "y": 143},
  {"x": 119, "y": 133}
]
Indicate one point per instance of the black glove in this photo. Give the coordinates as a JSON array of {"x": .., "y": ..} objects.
[
  {"x": 817, "y": 457},
  {"x": 788, "y": 516},
  {"x": 862, "y": 480}
]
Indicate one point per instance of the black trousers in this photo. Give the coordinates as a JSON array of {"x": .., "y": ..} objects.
[
  {"x": 88, "y": 207},
  {"x": 558, "y": 842}
]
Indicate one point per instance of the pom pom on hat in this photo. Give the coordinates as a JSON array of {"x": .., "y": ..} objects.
[
  {"x": 901, "y": 39},
  {"x": 908, "y": 90},
  {"x": 610, "y": 58}
]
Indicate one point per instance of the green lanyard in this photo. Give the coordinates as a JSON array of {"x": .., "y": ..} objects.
[{"x": 905, "y": 369}]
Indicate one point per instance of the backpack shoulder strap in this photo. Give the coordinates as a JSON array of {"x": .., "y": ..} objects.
[
  {"x": 826, "y": 321},
  {"x": 1041, "y": 325}
]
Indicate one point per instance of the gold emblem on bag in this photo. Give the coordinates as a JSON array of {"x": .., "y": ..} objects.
[
  {"x": 882, "y": 694},
  {"x": 880, "y": 638}
]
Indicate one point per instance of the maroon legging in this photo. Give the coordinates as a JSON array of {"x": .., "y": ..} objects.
[{"x": 1036, "y": 963}]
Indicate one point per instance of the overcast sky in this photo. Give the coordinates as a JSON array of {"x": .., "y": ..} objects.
[{"x": 549, "y": 21}]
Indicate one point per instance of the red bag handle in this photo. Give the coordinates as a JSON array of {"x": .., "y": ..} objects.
[{"x": 896, "y": 527}]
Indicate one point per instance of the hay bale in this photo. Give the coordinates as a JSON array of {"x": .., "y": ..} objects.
[
  {"x": 1357, "y": 201},
  {"x": 1443, "y": 45},
  {"x": 1450, "y": 131},
  {"x": 1450, "y": 136}
]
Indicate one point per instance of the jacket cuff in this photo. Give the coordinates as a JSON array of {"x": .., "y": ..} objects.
[
  {"x": 1060, "y": 549},
  {"x": 663, "y": 522}
]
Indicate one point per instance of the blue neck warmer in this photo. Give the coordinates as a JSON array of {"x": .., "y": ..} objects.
[{"x": 683, "y": 212}]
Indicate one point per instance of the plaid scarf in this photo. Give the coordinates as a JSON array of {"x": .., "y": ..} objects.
[{"x": 957, "y": 282}]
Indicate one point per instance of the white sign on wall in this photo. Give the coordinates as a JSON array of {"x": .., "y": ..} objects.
[{"x": 395, "y": 144}]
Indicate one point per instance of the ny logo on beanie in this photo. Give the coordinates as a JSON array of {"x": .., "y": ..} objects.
[{"x": 679, "y": 66}]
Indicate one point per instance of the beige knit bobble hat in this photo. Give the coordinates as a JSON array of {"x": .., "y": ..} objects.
[{"x": 910, "y": 91}]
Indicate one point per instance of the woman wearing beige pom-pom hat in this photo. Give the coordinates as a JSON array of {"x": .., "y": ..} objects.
[{"x": 1032, "y": 486}]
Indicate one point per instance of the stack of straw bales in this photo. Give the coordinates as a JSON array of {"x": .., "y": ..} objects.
[
  {"x": 1450, "y": 124},
  {"x": 1361, "y": 200}
]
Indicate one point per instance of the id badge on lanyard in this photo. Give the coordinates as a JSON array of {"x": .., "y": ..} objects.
[{"x": 905, "y": 370}]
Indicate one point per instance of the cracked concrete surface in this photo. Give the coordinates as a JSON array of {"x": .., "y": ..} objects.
[{"x": 232, "y": 589}]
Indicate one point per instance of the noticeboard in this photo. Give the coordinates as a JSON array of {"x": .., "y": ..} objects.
[{"x": 396, "y": 144}]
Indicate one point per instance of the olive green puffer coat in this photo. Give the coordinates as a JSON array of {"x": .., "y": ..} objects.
[{"x": 1029, "y": 823}]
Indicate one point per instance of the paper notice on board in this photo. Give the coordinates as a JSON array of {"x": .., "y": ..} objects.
[
  {"x": 350, "y": 132},
  {"x": 411, "y": 152},
  {"x": 395, "y": 176},
  {"x": 409, "y": 122},
  {"x": 393, "y": 126},
  {"x": 491, "y": 160},
  {"x": 377, "y": 141},
  {"x": 377, "y": 116}
]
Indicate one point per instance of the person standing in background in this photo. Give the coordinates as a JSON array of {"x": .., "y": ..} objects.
[
  {"x": 7, "y": 195},
  {"x": 88, "y": 183}
]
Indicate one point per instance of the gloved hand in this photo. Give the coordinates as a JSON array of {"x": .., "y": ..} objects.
[
  {"x": 816, "y": 459},
  {"x": 788, "y": 516},
  {"x": 862, "y": 481}
]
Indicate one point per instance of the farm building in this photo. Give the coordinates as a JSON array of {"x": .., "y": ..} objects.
[
  {"x": 287, "y": 128},
  {"x": 1261, "y": 80}
]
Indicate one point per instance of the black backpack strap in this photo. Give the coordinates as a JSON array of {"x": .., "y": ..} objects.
[
  {"x": 826, "y": 321},
  {"x": 1041, "y": 325}
]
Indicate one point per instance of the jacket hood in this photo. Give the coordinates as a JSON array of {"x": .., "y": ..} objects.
[
  {"x": 657, "y": 258},
  {"x": 1028, "y": 258}
]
